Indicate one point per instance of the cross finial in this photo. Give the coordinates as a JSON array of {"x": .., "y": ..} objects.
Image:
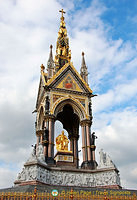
[{"x": 62, "y": 11}]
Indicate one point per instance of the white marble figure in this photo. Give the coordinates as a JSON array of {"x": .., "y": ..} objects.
[
  {"x": 40, "y": 153},
  {"x": 22, "y": 175},
  {"x": 37, "y": 154},
  {"x": 33, "y": 155},
  {"x": 105, "y": 160}
]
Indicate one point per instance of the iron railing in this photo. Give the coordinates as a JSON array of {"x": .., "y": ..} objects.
[{"x": 70, "y": 195}]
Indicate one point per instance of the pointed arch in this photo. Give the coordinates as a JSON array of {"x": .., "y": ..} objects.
[{"x": 76, "y": 105}]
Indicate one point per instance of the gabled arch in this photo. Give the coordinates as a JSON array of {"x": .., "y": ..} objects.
[
  {"x": 78, "y": 108},
  {"x": 69, "y": 120}
]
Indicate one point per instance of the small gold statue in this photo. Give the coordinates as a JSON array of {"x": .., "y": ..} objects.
[
  {"x": 64, "y": 51},
  {"x": 62, "y": 142}
]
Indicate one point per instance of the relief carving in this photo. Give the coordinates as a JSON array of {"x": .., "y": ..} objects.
[{"x": 34, "y": 172}]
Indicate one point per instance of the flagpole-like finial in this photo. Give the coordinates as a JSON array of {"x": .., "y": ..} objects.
[{"x": 63, "y": 12}]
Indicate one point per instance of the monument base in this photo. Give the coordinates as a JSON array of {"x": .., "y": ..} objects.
[{"x": 36, "y": 172}]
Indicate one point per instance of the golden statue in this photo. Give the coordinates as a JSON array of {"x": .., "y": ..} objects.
[
  {"x": 64, "y": 51},
  {"x": 62, "y": 142}
]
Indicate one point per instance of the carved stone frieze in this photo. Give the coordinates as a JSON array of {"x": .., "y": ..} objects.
[
  {"x": 65, "y": 178},
  {"x": 35, "y": 169}
]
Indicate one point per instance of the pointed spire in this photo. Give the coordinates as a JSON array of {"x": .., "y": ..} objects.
[
  {"x": 50, "y": 64},
  {"x": 50, "y": 60},
  {"x": 63, "y": 54},
  {"x": 83, "y": 65},
  {"x": 83, "y": 69}
]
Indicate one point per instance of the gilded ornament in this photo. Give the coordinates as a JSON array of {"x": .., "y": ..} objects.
[{"x": 62, "y": 142}]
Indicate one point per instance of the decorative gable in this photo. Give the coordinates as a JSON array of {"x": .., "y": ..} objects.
[
  {"x": 68, "y": 78},
  {"x": 69, "y": 83}
]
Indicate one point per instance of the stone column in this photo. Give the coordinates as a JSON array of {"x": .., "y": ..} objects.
[
  {"x": 41, "y": 138},
  {"x": 83, "y": 142},
  {"x": 93, "y": 147},
  {"x": 76, "y": 151},
  {"x": 46, "y": 124},
  {"x": 51, "y": 138},
  {"x": 45, "y": 151},
  {"x": 88, "y": 143},
  {"x": 71, "y": 145},
  {"x": 94, "y": 165},
  {"x": 37, "y": 141},
  {"x": 93, "y": 155}
]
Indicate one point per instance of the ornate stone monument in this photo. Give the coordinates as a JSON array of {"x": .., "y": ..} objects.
[{"x": 65, "y": 95}]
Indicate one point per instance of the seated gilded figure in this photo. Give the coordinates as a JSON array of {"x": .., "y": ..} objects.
[{"x": 62, "y": 142}]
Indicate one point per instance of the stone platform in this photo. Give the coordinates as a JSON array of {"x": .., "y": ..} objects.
[{"x": 36, "y": 172}]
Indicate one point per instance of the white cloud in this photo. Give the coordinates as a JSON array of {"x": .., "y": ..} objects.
[
  {"x": 120, "y": 94},
  {"x": 116, "y": 133},
  {"x": 7, "y": 177}
]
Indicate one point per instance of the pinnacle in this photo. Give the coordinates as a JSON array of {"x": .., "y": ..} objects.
[
  {"x": 83, "y": 60},
  {"x": 50, "y": 60},
  {"x": 50, "y": 55}
]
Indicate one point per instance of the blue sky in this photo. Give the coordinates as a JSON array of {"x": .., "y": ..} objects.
[{"x": 106, "y": 31}]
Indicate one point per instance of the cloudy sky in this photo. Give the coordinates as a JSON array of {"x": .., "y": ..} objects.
[{"x": 106, "y": 31}]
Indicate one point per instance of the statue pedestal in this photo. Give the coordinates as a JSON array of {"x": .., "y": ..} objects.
[{"x": 64, "y": 158}]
